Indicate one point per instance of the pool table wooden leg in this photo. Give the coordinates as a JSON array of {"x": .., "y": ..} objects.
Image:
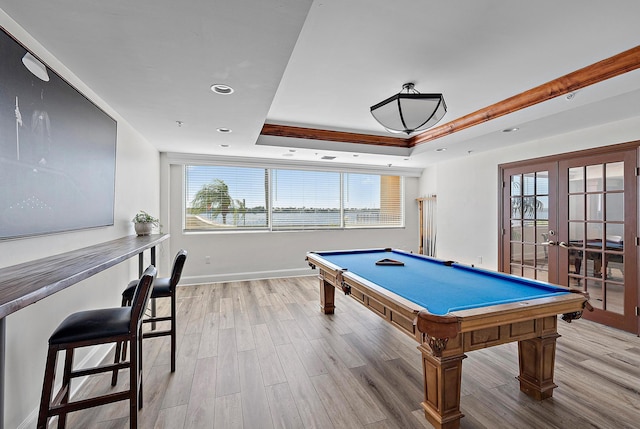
[
  {"x": 327, "y": 295},
  {"x": 442, "y": 379},
  {"x": 537, "y": 360}
]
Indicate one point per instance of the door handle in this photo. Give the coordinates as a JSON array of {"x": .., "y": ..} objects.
[
  {"x": 563, "y": 244},
  {"x": 549, "y": 243}
]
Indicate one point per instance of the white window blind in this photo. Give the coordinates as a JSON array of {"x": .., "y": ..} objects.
[
  {"x": 305, "y": 199},
  {"x": 220, "y": 197},
  {"x": 372, "y": 200}
]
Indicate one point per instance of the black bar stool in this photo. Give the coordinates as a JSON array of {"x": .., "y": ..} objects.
[
  {"x": 90, "y": 328},
  {"x": 163, "y": 287}
]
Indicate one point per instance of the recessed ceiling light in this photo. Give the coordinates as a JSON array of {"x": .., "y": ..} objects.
[
  {"x": 329, "y": 158},
  {"x": 223, "y": 130},
  {"x": 510, "y": 130},
  {"x": 292, "y": 150},
  {"x": 224, "y": 145},
  {"x": 441, "y": 149},
  {"x": 221, "y": 89},
  {"x": 179, "y": 123}
]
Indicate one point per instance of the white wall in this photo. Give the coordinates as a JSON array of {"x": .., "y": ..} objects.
[
  {"x": 137, "y": 187},
  {"x": 467, "y": 189},
  {"x": 252, "y": 255}
]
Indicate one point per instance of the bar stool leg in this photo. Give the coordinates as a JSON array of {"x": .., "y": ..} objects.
[
  {"x": 133, "y": 392},
  {"x": 47, "y": 388},
  {"x": 173, "y": 331},
  {"x": 66, "y": 382}
]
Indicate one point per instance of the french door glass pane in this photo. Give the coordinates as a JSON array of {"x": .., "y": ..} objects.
[
  {"x": 576, "y": 179},
  {"x": 596, "y": 295},
  {"x": 595, "y": 207},
  {"x": 542, "y": 207},
  {"x": 516, "y": 208},
  {"x": 614, "y": 293},
  {"x": 615, "y": 232},
  {"x": 576, "y": 207},
  {"x": 594, "y": 232},
  {"x": 595, "y": 178},
  {"x": 615, "y": 176},
  {"x": 615, "y": 206},
  {"x": 516, "y": 185}
]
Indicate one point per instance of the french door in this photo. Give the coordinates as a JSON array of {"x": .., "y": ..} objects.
[{"x": 573, "y": 221}]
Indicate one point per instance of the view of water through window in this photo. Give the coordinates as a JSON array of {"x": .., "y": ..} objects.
[{"x": 227, "y": 197}]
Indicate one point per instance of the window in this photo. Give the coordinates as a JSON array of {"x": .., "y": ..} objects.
[
  {"x": 225, "y": 197},
  {"x": 372, "y": 200},
  {"x": 241, "y": 198},
  {"x": 304, "y": 199}
]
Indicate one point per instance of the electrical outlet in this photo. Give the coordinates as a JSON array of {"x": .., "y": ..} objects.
[{"x": 207, "y": 259}]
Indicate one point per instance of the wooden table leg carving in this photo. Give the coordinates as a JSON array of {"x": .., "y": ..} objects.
[{"x": 442, "y": 379}]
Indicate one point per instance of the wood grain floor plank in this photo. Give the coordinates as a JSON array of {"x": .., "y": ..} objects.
[
  {"x": 348, "y": 354},
  {"x": 255, "y": 406},
  {"x": 272, "y": 372},
  {"x": 170, "y": 418},
  {"x": 244, "y": 333},
  {"x": 397, "y": 371},
  {"x": 155, "y": 386},
  {"x": 227, "y": 375},
  {"x": 284, "y": 412},
  {"x": 307, "y": 356},
  {"x": 310, "y": 408},
  {"x": 208, "y": 346},
  {"x": 361, "y": 401},
  {"x": 228, "y": 412},
  {"x": 340, "y": 412},
  {"x": 179, "y": 387},
  {"x": 201, "y": 407},
  {"x": 227, "y": 319},
  {"x": 279, "y": 335},
  {"x": 386, "y": 397}
]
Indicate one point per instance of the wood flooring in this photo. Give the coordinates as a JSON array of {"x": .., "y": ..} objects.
[{"x": 259, "y": 354}]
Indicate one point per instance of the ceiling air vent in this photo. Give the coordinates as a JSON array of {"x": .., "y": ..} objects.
[{"x": 328, "y": 157}]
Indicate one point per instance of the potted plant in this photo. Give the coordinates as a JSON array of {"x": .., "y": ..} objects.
[{"x": 143, "y": 222}]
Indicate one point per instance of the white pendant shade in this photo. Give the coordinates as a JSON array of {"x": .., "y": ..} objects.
[{"x": 407, "y": 112}]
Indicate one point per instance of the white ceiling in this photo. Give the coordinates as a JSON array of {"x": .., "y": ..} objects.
[{"x": 323, "y": 63}]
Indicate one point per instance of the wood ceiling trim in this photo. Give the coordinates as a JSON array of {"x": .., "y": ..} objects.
[
  {"x": 610, "y": 67},
  {"x": 332, "y": 136},
  {"x": 602, "y": 70}
]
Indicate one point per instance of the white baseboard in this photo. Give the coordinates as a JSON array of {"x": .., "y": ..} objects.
[{"x": 254, "y": 275}]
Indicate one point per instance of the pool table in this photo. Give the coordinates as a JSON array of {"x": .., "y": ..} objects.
[{"x": 450, "y": 309}]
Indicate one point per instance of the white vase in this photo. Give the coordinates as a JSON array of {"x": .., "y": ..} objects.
[{"x": 143, "y": 228}]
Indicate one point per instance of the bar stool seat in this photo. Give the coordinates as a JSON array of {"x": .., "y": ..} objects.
[
  {"x": 93, "y": 324},
  {"x": 161, "y": 289},
  {"x": 90, "y": 328}
]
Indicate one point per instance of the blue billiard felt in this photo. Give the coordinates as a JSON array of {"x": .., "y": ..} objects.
[{"x": 437, "y": 287}]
